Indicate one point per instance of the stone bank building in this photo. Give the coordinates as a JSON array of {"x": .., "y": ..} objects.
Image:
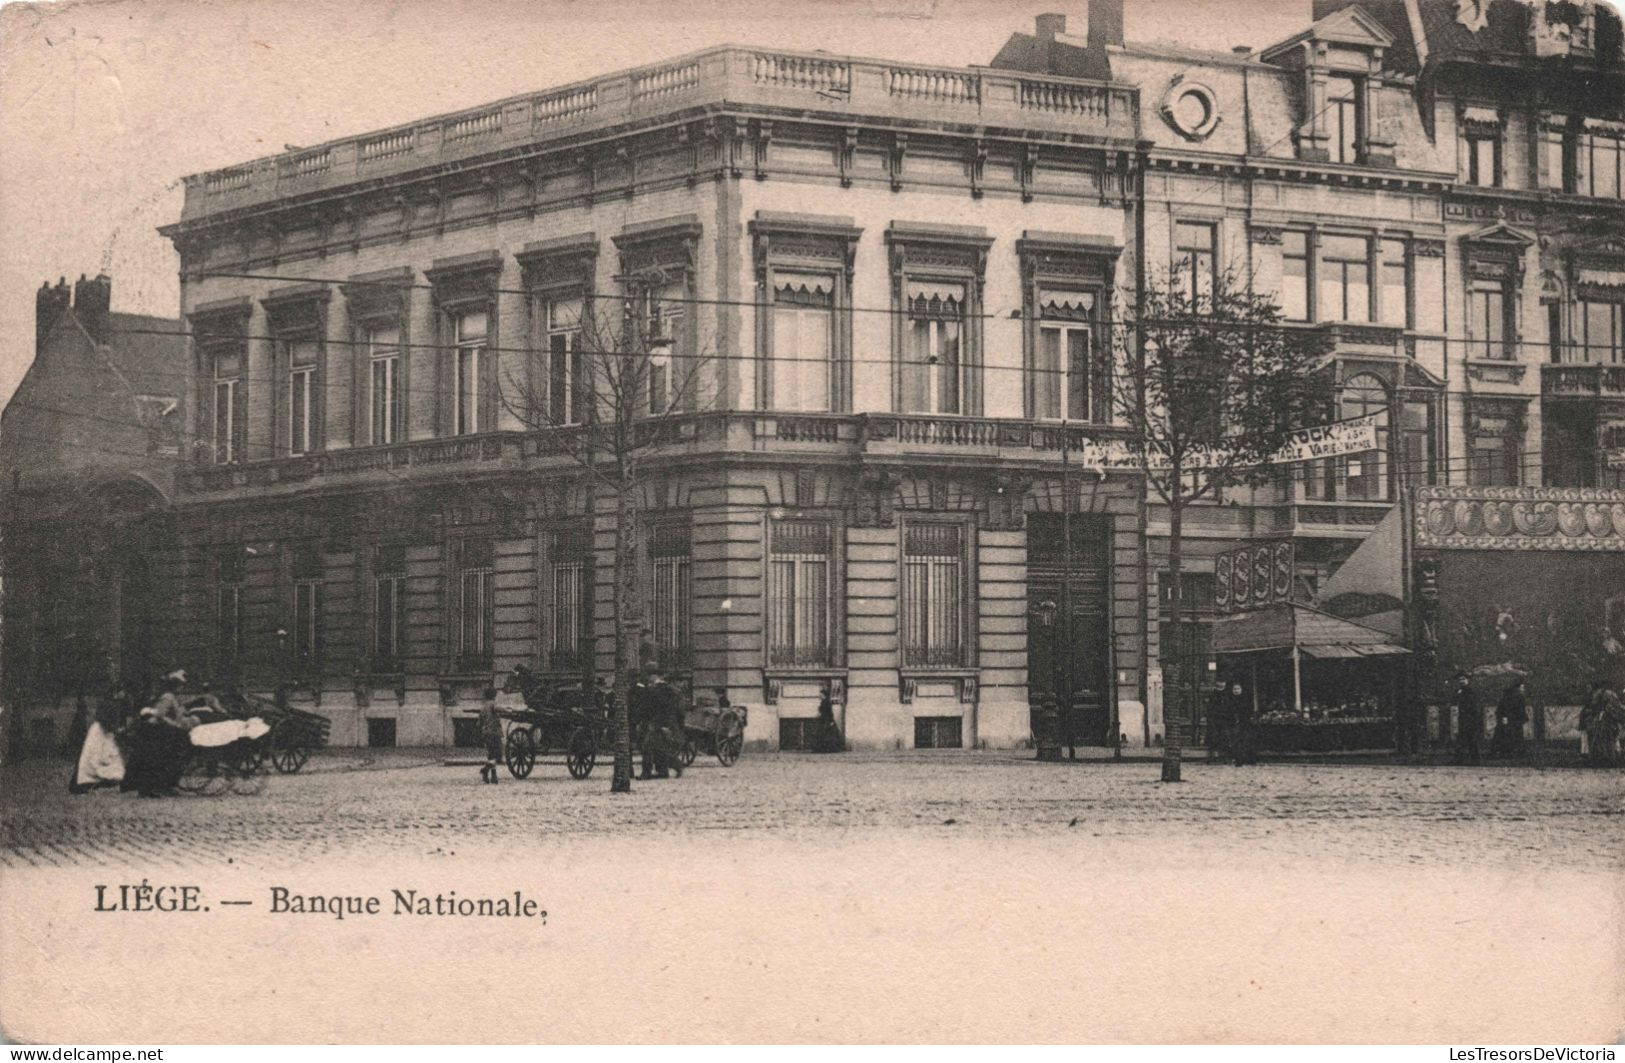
[{"x": 871, "y": 262}]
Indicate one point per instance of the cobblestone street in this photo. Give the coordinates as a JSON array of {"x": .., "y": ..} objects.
[
  {"x": 951, "y": 897},
  {"x": 354, "y": 802}
]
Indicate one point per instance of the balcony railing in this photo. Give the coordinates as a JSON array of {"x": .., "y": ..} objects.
[
  {"x": 880, "y": 435},
  {"x": 1583, "y": 381},
  {"x": 833, "y": 87}
]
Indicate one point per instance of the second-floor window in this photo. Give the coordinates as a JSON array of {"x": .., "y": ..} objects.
[
  {"x": 933, "y": 358},
  {"x": 1195, "y": 260},
  {"x": 1482, "y": 164},
  {"x": 468, "y": 339},
  {"x": 225, "y": 418},
  {"x": 1597, "y": 161},
  {"x": 803, "y": 341},
  {"x": 383, "y": 385},
  {"x": 1345, "y": 279},
  {"x": 388, "y": 608},
  {"x": 664, "y": 309},
  {"x": 1602, "y": 331},
  {"x": 1489, "y": 326},
  {"x": 567, "y": 389},
  {"x": 1064, "y": 364},
  {"x": 300, "y": 358},
  {"x": 1295, "y": 275},
  {"x": 1494, "y": 447},
  {"x": 1583, "y": 157},
  {"x": 1343, "y": 118},
  {"x": 225, "y": 413},
  {"x": 798, "y": 594},
  {"x": 932, "y": 592},
  {"x": 1393, "y": 282}
]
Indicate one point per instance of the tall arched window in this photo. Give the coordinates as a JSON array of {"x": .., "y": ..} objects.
[{"x": 1365, "y": 476}]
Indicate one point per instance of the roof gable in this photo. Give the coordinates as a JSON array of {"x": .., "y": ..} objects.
[{"x": 1353, "y": 27}]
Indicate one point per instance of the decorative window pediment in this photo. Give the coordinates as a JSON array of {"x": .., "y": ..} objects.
[
  {"x": 465, "y": 278},
  {"x": 566, "y": 261},
  {"x": 378, "y": 295},
  {"x": 668, "y": 245},
  {"x": 1496, "y": 253}
]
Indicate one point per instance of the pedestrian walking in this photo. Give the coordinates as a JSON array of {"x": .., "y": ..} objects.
[
  {"x": 829, "y": 739},
  {"x": 1511, "y": 713},
  {"x": 1601, "y": 719},
  {"x": 1239, "y": 715},
  {"x": 491, "y": 731},
  {"x": 1469, "y": 721}
]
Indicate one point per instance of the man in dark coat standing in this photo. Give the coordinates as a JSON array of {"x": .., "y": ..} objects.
[
  {"x": 1469, "y": 721},
  {"x": 1511, "y": 713},
  {"x": 664, "y": 728}
]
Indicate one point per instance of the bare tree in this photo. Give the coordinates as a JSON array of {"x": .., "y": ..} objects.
[
  {"x": 608, "y": 386},
  {"x": 1213, "y": 385}
]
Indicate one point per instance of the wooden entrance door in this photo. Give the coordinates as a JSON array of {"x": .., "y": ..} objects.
[{"x": 1068, "y": 618}]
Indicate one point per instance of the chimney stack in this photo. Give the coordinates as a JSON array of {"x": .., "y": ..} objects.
[
  {"x": 49, "y": 305},
  {"x": 1105, "y": 23},
  {"x": 1051, "y": 26},
  {"x": 92, "y": 303}
]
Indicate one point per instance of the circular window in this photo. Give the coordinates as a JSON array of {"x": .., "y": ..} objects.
[{"x": 1190, "y": 107}]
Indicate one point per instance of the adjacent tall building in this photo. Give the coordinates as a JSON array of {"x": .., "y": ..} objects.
[{"x": 89, "y": 444}]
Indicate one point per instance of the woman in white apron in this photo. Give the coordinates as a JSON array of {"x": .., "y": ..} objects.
[{"x": 101, "y": 760}]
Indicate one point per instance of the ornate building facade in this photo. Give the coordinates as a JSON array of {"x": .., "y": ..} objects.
[{"x": 868, "y": 261}]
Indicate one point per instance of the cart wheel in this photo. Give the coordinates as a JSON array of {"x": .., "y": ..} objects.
[
  {"x": 245, "y": 778},
  {"x": 690, "y": 751},
  {"x": 288, "y": 751},
  {"x": 204, "y": 776},
  {"x": 252, "y": 762},
  {"x": 197, "y": 775},
  {"x": 728, "y": 750},
  {"x": 521, "y": 753},
  {"x": 582, "y": 753}
]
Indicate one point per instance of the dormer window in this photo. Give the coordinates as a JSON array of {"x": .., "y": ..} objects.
[
  {"x": 1340, "y": 59},
  {"x": 1344, "y": 118}
]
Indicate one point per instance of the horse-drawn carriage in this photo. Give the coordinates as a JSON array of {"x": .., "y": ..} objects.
[
  {"x": 229, "y": 749},
  {"x": 578, "y": 723},
  {"x": 557, "y": 719}
]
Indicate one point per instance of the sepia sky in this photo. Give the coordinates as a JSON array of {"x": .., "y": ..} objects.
[{"x": 106, "y": 104}]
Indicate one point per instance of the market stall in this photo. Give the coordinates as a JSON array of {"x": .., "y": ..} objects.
[{"x": 1313, "y": 682}]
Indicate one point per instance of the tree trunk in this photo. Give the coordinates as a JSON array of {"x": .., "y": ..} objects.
[
  {"x": 626, "y": 626},
  {"x": 1172, "y": 711}
]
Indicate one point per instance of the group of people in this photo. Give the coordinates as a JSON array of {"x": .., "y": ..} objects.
[
  {"x": 1602, "y": 719},
  {"x": 145, "y": 750},
  {"x": 1230, "y": 721},
  {"x": 657, "y": 721}
]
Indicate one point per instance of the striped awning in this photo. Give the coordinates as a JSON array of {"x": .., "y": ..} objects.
[
  {"x": 938, "y": 291},
  {"x": 1061, "y": 301},
  {"x": 1602, "y": 278},
  {"x": 804, "y": 283}
]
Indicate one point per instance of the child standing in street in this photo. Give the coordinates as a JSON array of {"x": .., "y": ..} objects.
[{"x": 491, "y": 730}]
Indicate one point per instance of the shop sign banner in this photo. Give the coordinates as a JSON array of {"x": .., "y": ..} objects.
[
  {"x": 1356, "y": 435},
  {"x": 1253, "y": 576}
]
